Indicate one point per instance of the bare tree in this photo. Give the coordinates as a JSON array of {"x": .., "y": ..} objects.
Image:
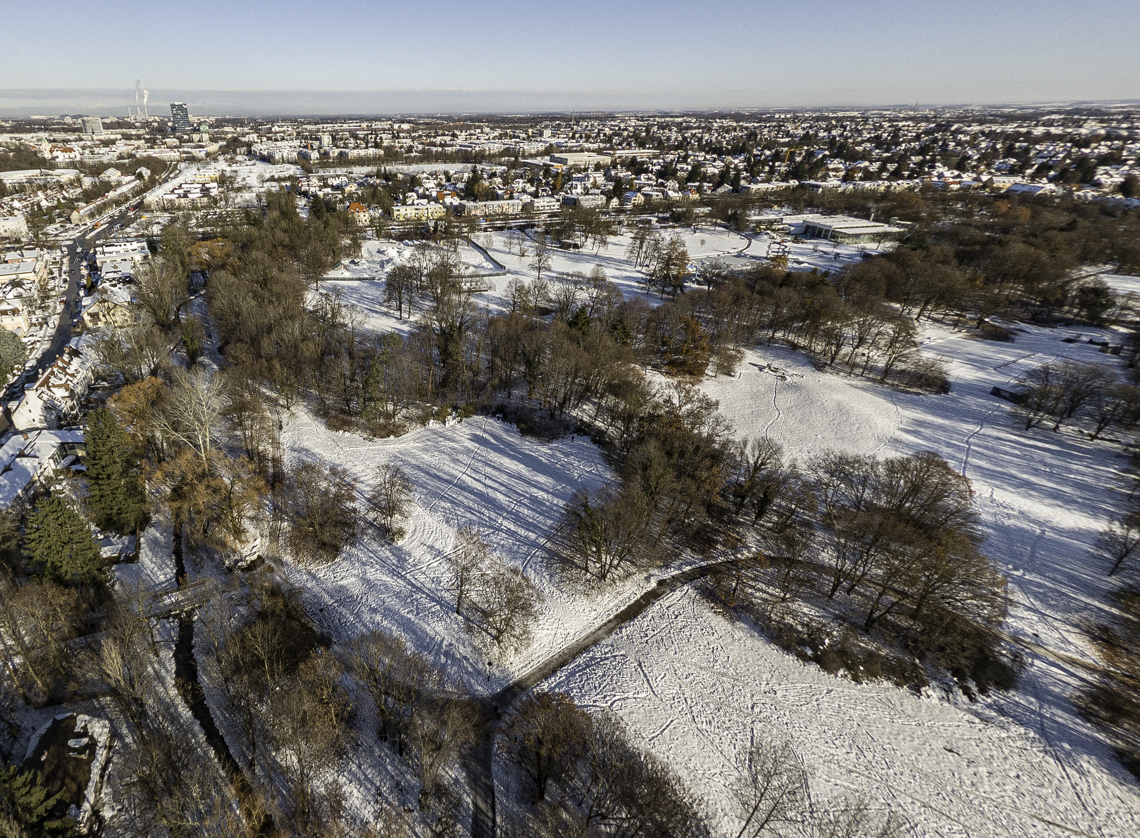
[
  {"x": 757, "y": 477},
  {"x": 605, "y": 533},
  {"x": 622, "y": 791},
  {"x": 1119, "y": 542},
  {"x": 519, "y": 295},
  {"x": 193, "y": 410},
  {"x": 163, "y": 290},
  {"x": 392, "y": 499},
  {"x": 437, "y": 736},
  {"x": 563, "y": 295},
  {"x": 400, "y": 682},
  {"x": 1078, "y": 383},
  {"x": 1117, "y": 405},
  {"x": 307, "y": 724},
  {"x": 400, "y": 287},
  {"x": 37, "y": 619},
  {"x": 541, "y": 260},
  {"x": 465, "y": 565},
  {"x": 545, "y": 736},
  {"x": 320, "y": 504},
  {"x": 1041, "y": 397},
  {"x": 505, "y": 603},
  {"x": 247, "y": 415},
  {"x": 135, "y": 351}
]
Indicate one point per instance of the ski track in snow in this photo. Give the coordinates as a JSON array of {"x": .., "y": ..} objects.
[
  {"x": 775, "y": 407},
  {"x": 969, "y": 440}
]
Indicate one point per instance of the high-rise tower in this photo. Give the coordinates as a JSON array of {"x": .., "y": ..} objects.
[{"x": 181, "y": 115}]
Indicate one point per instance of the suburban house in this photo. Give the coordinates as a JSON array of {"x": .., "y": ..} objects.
[
  {"x": 109, "y": 306},
  {"x": 360, "y": 213},
  {"x": 29, "y": 457},
  {"x": 13, "y": 316}
]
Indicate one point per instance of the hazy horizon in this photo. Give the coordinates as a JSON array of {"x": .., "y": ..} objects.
[
  {"x": 17, "y": 104},
  {"x": 354, "y": 57}
]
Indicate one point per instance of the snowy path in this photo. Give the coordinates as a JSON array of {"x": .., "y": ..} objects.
[{"x": 481, "y": 771}]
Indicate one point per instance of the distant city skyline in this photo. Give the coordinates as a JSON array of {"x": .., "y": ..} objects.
[{"x": 349, "y": 56}]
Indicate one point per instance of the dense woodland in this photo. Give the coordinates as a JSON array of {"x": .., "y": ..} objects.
[{"x": 190, "y": 435}]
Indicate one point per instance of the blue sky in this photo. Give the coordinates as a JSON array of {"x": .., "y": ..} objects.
[{"x": 350, "y": 55}]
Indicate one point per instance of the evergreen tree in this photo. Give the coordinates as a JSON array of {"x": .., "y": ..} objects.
[
  {"x": 59, "y": 545},
  {"x": 26, "y": 805},
  {"x": 12, "y": 354},
  {"x": 9, "y": 545},
  {"x": 114, "y": 480}
]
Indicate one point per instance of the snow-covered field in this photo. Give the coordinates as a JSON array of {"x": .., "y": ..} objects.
[
  {"x": 697, "y": 688},
  {"x": 378, "y": 257},
  {"x": 478, "y": 473},
  {"x": 355, "y": 280}
]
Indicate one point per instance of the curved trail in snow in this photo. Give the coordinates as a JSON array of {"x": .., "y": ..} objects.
[
  {"x": 775, "y": 407},
  {"x": 479, "y": 768},
  {"x": 969, "y": 440}
]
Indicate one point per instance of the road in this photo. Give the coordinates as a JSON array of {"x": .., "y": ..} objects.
[{"x": 71, "y": 306}]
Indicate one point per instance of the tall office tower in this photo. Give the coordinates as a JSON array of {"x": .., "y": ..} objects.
[
  {"x": 181, "y": 116},
  {"x": 92, "y": 125}
]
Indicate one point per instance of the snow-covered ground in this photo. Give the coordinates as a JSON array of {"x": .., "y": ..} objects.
[
  {"x": 478, "y": 473},
  {"x": 378, "y": 257},
  {"x": 355, "y": 279},
  {"x": 697, "y": 688}
]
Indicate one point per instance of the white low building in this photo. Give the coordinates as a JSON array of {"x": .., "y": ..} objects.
[
  {"x": 418, "y": 212},
  {"x": 28, "y": 457},
  {"x": 544, "y": 203},
  {"x": 132, "y": 249},
  {"x": 484, "y": 209},
  {"x": 14, "y": 315}
]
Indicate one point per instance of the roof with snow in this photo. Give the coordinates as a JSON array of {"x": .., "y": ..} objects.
[{"x": 24, "y": 457}]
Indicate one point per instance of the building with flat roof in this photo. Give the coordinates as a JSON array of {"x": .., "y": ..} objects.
[
  {"x": 418, "y": 212},
  {"x": 181, "y": 116},
  {"x": 92, "y": 125},
  {"x": 843, "y": 229}
]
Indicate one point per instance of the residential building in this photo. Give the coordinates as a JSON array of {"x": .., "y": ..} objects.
[
  {"x": 13, "y": 315},
  {"x": 544, "y": 203},
  {"x": 483, "y": 209},
  {"x": 27, "y": 458},
  {"x": 587, "y": 201},
  {"x": 110, "y": 306},
  {"x": 58, "y": 393},
  {"x": 418, "y": 212},
  {"x": 31, "y": 269},
  {"x": 359, "y": 213}
]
